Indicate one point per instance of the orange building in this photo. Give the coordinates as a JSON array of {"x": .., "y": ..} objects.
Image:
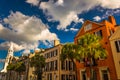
[{"x": 105, "y": 70}]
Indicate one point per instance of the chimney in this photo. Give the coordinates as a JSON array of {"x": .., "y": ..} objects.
[
  {"x": 112, "y": 20},
  {"x": 56, "y": 42}
]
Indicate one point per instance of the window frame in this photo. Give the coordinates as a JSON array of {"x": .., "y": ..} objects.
[
  {"x": 117, "y": 45},
  {"x": 81, "y": 77},
  {"x": 101, "y": 75}
]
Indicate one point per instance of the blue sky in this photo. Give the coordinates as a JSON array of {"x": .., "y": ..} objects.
[{"x": 29, "y": 24}]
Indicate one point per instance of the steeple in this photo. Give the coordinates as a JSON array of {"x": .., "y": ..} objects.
[
  {"x": 10, "y": 50},
  {"x": 8, "y": 58}
]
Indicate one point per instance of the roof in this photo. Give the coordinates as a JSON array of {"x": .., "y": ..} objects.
[
  {"x": 116, "y": 34},
  {"x": 85, "y": 23},
  {"x": 52, "y": 47}
]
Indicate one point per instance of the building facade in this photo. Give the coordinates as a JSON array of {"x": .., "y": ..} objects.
[
  {"x": 2, "y": 76},
  {"x": 105, "y": 70},
  {"x": 115, "y": 46},
  {"x": 55, "y": 69}
]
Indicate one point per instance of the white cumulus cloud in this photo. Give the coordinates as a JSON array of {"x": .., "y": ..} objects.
[
  {"x": 97, "y": 18},
  {"x": 69, "y": 10},
  {"x": 74, "y": 29},
  {"x": 34, "y": 2},
  {"x": 111, "y": 4},
  {"x": 25, "y": 30},
  {"x": 7, "y": 44}
]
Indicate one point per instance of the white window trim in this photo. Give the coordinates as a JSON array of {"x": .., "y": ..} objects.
[
  {"x": 103, "y": 68},
  {"x": 81, "y": 74}
]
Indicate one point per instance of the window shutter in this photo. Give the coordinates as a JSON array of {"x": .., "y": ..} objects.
[{"x": 117, "y": 46}]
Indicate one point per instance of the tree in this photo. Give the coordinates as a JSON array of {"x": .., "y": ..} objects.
[
  {"x": 70, "y": 51},
  {"x": 10, "y": 67},
  {"x": 20, "y": 68},
  {"x": 38, "y": 62},
  {"x": 90, "y": 49}
]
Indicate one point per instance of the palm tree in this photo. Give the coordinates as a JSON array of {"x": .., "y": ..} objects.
[
  {"x": 70, "y": 51},
  {"x": 91, "y": 48},
  {"x": 38, "y": 62}
]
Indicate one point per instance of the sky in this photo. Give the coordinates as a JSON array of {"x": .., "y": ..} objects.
[{"x": 32, "y": 24}]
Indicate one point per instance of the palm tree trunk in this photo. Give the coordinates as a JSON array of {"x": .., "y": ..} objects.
[{"x": 91, "y": 70}]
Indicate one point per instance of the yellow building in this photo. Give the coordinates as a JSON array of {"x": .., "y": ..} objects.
[
  {"x": 54, "y": 69},
  {"x": 115, "y": 46},
  {"x": 31, "y": 71},
  {"x": 31, "y": 75}
]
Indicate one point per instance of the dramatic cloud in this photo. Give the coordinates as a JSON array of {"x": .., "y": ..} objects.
[
  {"x": 111, "y": 12},
  {"x": 66, "y": 11},
  {"x": 69, "y": 18},
  {"x": 16, "y": 47},
  {"x": 111, "y": 4},
  {"x": 25, "y": 30},
  {"x": 96, "y": 18}
]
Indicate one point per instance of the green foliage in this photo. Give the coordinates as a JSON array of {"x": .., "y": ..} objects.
[
  {"x": 11, "y": 67},
  {"x": 37, "y": 61},
  {"x": 69, "y": 50},
  {"x": 20, "y": 67},
  {"x": 90, "y": 46}
]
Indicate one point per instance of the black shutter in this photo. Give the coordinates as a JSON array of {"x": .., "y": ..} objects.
[{"x": 117, "y": 46}]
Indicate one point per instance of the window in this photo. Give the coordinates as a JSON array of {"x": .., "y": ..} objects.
[
  {"x": 62, "y": 77},
  {"x": 71, "y": 77},
  {"x": 117, "y": 44},
  {"x": 94, "y": 75},
  {"x": 70, "y": 65},
  {"x": 88, "y": 27},
  {"x": 50, "y": 54},
  {"x": 67, "y": 65},
  {"x": 105, "y": 75},
  {"x": 56, "y": 52},
  {"x": 67, "y": 77},
  {"x": 50, "y": 76},
  {"x": 52, "y": 63},
  {"x": 99, "y": 33},
  {"x": 56, "y": 65},
  {"x": 47, "y": 66},
  {"x": 83, "y": 75},
  {"x": 63, "y": 65}
]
